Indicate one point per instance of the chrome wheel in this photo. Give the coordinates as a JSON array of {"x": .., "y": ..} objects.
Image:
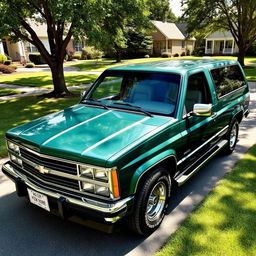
[
  {"x": 156, "y": 202},
  {"x": 233, "y": 136}
]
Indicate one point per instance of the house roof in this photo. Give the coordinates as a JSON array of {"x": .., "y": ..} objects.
[{"x": 220, "y": 34}]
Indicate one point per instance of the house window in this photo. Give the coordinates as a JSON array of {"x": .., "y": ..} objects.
[
  {"x": 229, "y": 44},
  {"x": 78, "y": 45},
  {"x": 183, "y": 44},
  {"x": 31, "y": 48},
  {"x": 209, "y": 45}
]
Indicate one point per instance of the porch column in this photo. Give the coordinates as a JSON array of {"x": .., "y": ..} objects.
[
  {"x": 166, "y": 45},
  {"x": 205, "y": 50},
  {"x": 224, "y": 46},
  {"x": 233, "y": 44},
  {"x": 213, "y": 46},
  {"x": 1, "y": 48}
]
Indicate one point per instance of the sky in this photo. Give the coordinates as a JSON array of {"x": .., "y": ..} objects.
[{"x": 176, "y": 7}]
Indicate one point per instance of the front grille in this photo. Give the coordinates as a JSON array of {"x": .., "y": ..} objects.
[
  {"x": 49, "y": 163},
  {"x": 57, "y": 183}
]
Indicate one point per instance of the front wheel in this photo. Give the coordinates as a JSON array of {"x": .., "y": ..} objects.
[
  {"x": 232, "y": 137},
  {"x": 151, "y": 202}
]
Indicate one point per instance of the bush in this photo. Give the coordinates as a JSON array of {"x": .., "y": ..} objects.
[
  {"x": 176, "y": 55},
  {"x": 13, "y": 66},
  {"x": 146, "y": 56},
  {"x": 77, "y": 56},
  {"x": 183, "y": 54},
  {"x": 36, "y": 58},
  {"x": 6, "y": 69},
  {"x": 30, "y": 65},
  {"x": 90, "y": 53},
  {"x": 8, "y": 62},
  {"x": 3, "y": 58},
  {"x": 166, "y": 55},
  {"x": 188, "y": 52}
]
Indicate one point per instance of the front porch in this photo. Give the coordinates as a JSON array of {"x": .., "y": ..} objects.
[{"x": 220, "y": 47}]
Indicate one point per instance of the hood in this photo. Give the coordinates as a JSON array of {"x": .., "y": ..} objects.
[{"x": 86, "y": 134}]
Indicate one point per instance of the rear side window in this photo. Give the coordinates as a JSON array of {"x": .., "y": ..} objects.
[{"x": 227, "y": 79}]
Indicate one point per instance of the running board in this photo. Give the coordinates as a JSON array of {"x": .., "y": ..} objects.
[{"x": 183, "y": 178}]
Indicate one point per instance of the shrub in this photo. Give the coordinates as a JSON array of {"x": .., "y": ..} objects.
[
  {"x": 89, "y": 53},
  {"x": 13, "y": 66},
  {"x": 6, "y": 69},
  {"x": 176, "y": 55},
  {"x": 30, "y": 65},
  {"x": 183, "y": 54},
  {"x": 3, "y": 58},
  {"x": 188, "y": 52},
  {"x": 36, "y": 58},
  {"x": 77, "y": 56},
  {"x": 166, "y": 55},
  {"x": 146, "y": 56},
  {"x": 8, "y": 62}
]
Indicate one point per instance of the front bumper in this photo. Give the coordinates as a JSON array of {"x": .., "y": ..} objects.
[{"x": 110, "y": 212}]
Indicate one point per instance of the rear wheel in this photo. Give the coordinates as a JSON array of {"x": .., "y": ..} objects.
[
  {"x": 232, "y": 137},
  {"x": 151, "y": 202}
]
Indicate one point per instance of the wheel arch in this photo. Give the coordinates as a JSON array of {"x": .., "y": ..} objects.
[{"x": 166, "y": 160}]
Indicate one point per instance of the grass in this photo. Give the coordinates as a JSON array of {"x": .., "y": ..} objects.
[
  {"x": 44, "y": 79},
  {"x": 21, "y": 110},
  {"x": 7, "y": 91},
  {"x": 224, "y": 224}
]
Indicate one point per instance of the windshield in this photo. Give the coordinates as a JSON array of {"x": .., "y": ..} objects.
[{"x": 151, "y": 92}]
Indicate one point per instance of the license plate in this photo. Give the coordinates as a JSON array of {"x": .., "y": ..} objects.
[{"x": 38, "y": 199}]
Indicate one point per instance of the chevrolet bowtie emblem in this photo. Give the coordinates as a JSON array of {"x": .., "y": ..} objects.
[{"x": 41, "y": 169}]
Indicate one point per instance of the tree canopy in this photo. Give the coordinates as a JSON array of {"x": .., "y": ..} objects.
[
  {"x": 236, "y": 16},
  {"x": 161, "y": 10}
]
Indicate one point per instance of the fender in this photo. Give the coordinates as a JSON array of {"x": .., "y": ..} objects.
[{"x": 145, "y": 167}]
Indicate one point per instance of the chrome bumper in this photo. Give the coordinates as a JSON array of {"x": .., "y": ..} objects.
[{"x": 105, "y": 208}]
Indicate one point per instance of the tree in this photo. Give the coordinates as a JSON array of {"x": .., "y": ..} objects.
[
  {"x": 236, "y": 16},
  {"x": 119, "y": 17},
  {"x": 160, "y": 10},
  {"x": 64, "y": 19}
]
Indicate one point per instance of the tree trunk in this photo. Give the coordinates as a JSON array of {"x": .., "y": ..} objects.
[
  {"x": 241, "y": 55},
  {"x": 59, "y": 84},
  {"x": 118, "y": 56}
]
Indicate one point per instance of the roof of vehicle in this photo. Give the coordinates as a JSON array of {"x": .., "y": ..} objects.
[{"x": 180, "y": 66}]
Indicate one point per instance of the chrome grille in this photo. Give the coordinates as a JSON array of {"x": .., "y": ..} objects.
[{"x": 49, "y": 163}]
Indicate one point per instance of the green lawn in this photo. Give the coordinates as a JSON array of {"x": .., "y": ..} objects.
[
  {"x": 44, "y": 79},
  {"x": 6, "y": 91},
  {"x": 225, "y": 223},
  {"x": 22, "y": 110}
]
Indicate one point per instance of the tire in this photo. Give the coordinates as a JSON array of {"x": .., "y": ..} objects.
[
  {"x": 232, "y": 137},
  {"x": 151, "y": 202}
]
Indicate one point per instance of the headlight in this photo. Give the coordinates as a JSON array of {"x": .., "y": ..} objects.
[
  {"x": 99, "y": 181},
  {"x": 12, "y": 146},
  {"x": 15, "y": 159}
]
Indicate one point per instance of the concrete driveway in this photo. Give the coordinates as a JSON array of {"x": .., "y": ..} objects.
[{"x": 28, "y": 230}]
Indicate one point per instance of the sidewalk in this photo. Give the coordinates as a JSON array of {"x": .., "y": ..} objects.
[{"x": 33, "y": 91}]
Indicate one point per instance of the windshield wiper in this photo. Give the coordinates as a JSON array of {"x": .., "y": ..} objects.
[
  {"x": 138, "y": 108},
  {"x": 95, "y": 102}
]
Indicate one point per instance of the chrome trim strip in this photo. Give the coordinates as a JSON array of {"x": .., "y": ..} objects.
[
  {"x": 113, "y": 135},
  {"x": 88, "y": 203},
  {"x": 184, "y": 178},
  {"x": 193, "y": 152},
  {"x": 75, "y": 126}
]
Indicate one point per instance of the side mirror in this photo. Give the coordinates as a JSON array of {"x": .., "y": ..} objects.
[
  {"x": 202, "y": 110},
  {"x": 82, "y": 94}
]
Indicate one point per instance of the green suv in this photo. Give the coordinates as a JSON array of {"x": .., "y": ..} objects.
[{"x": 136, "y": 133}]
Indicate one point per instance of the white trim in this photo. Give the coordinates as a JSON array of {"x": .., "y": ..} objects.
[
  {"x": 113, "y": 135},
  {"x": 75, "y": 126},
  {"x": 217, "y": 134}
]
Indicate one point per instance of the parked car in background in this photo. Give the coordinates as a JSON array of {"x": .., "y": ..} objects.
[{"x": 138, "y": 131}]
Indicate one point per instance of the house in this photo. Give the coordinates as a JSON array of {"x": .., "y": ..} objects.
[
  {"x": 171, "y": 37},
  {"x": 220, "y": 43},
  {"x": 19, "y": 51}
]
